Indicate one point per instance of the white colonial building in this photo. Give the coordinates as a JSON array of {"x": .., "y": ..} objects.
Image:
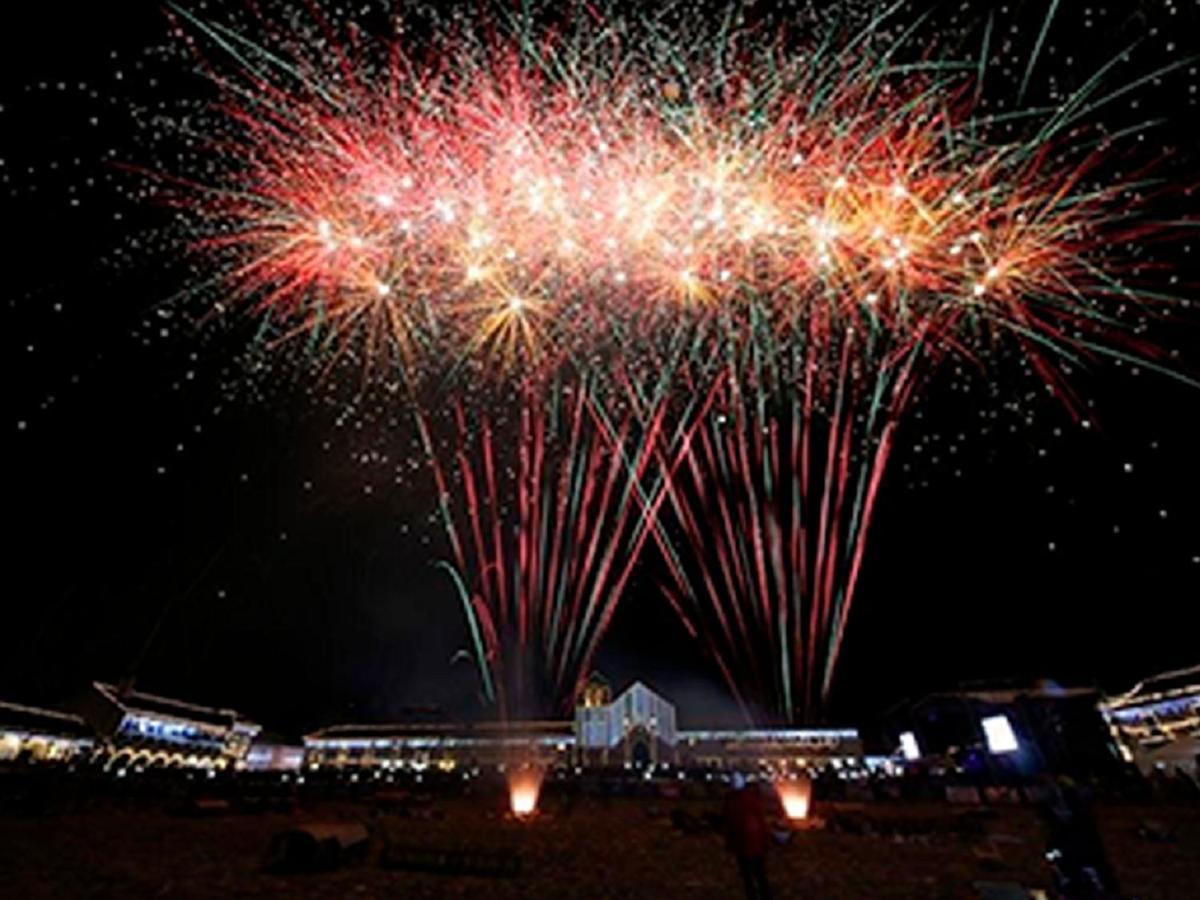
[{"x": 637, "y": 728}]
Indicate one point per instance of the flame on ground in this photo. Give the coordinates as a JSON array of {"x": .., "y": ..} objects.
[
  {"x": 796, "y": 796},
  {"x": 524, "y": 786}
]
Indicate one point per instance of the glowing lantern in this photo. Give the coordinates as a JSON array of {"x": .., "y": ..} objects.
[
  {"x": 524, "y": 785},
  {"x": 796, "y": 795}
]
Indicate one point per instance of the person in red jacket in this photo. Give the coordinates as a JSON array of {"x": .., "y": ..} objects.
[{"x": 746, "y": 835}]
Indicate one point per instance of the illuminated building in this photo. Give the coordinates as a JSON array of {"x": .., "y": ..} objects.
[
  {"x": 636, "y": 730},
  {"x": 272, "y": 753},
  {"x": 775, "y": 749},
  {"x": 445, "y": 747},
  {"x": 1157, "y": 723},
  {"x": 30, "y": 734},
  {"x": 638, "y": 727},
  {"x": 143, "y": 729}
]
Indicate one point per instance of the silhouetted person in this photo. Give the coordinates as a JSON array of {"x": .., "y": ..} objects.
[
  {"x": 1074, "y": 846},
  {"x": 746, "y": 835}
]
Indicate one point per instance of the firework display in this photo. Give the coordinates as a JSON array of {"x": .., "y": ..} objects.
[
  {"x": 545, "y": 576},
  {"x": 668, "y": 285}
]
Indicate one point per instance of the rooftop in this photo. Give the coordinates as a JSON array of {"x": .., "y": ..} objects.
[
  {"x": 1177, "y": 683},
  {"x": 35, "y": 720},
  {"x": 139, "y": 702}
]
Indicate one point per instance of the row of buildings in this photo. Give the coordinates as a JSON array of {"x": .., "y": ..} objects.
[
  {"x": 634, "y": 730},
  {"x": 1004, "y": 731},
  {"x": 119, "y": 727}
]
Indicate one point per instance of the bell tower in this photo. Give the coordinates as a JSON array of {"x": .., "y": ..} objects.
[{"x": 596, "y": 692}]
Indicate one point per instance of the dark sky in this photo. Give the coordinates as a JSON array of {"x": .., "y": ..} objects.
[{"x": 241, "y": 552}]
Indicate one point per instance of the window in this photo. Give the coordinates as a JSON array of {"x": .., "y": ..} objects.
[{"x": 999, "y": 734}]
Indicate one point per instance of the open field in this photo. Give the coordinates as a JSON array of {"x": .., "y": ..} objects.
[{"x": 594, "y": 848}]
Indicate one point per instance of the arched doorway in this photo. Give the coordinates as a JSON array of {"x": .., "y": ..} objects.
[
  {"x": 641, "y": 754},
  {"x": 639, "y": 747}
]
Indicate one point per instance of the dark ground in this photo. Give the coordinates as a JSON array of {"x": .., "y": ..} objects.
[{"x": 607, "y": 849}]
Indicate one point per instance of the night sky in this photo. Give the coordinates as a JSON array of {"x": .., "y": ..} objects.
[{"x": 246, "y": 547}]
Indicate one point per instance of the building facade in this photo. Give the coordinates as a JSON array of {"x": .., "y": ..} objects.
[
  {"x": 781, "y": 750},
  {"x": 135, "y": 728},
  {"x": 1157, "y": 723},
  {"x": 635, "y": 730},
  {"x": 31, "y": 734},
  {"x": 444, "y": 747}
]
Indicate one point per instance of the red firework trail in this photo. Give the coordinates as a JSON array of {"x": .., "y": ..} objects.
[
  {"x": 543, "y": 551},
  {"x": 766, "y": 517}
]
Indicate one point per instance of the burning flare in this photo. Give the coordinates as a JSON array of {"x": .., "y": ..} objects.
[
  {"x": 524, "y": 786},
  {"x": 796, "y": 796}
]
